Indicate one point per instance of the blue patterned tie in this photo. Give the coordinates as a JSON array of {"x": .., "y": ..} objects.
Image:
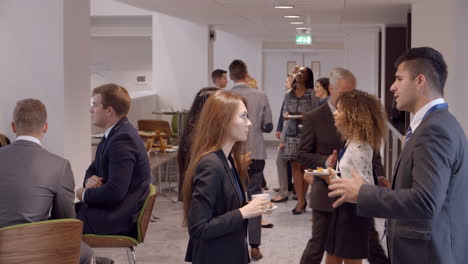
[{"x": 408, "y": 134}]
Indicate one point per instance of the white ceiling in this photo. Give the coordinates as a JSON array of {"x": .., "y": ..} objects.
[{"x": 326, "y": 18}]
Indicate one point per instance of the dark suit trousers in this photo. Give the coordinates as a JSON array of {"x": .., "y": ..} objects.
[
  {"x": 313, "y": 253},
  {"x": 255, "y": 187}
]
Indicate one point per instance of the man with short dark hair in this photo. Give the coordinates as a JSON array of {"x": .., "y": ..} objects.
[
  {"x": 117, "y": 182},
  {"x": 427, "y": 205},
  {"x": 219, "y": 78},
  {"x": 36, "y": 184},
  {"x": 260, "y": 116}
]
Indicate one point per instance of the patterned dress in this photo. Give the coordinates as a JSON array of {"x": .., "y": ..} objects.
[{"x": 296, "y": 106}]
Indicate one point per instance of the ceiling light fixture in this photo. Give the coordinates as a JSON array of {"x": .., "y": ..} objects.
[
  {"x": 297, "y": 23},
  {"x": 284, "y": 6},
  {"x": 293, "y": 16},
  {"x": 302, "y": 28}
]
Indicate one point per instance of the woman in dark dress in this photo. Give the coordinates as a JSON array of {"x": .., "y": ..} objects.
[{"x": 215, "y": 207}]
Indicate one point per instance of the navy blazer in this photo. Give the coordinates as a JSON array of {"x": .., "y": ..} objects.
[
  {"x": 122, "y": 162},
  {"x": 216, "y": 228}
]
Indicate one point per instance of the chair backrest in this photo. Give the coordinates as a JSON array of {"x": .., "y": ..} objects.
[
  {"x": 151, "y": 125},
  {"x": 4, "y": 140},
  {"x": 52, "y": 241},
  {"x": 145, "y": 214}
]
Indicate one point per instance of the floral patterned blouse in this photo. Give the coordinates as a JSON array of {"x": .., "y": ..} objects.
[{"x": 357, "y": 155}]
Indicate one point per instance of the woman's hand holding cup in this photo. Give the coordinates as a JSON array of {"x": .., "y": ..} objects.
[{"x": 259, "y": 205}]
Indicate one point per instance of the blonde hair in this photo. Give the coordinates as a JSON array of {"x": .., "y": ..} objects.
[
  {"x": 364, "y": 118},
  {"x": 251, "y": 82}
]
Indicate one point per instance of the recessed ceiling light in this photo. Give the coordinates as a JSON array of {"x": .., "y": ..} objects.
[
  {"x": 293, "y": 16},
  {"x": 297, "y": 23},
  {"x": 302, "y": 28},
  {"x": 284, "y": 6}
]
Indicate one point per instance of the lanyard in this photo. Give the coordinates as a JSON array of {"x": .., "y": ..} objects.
[{"x": 434, "y": 108}]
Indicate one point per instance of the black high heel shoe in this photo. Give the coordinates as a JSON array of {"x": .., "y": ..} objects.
[{"x": 295, "y": 212}]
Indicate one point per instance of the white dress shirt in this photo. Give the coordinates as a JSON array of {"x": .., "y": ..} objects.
[
  {"x": 418, "y": 117},
  {"x": 29, "y": 138}
]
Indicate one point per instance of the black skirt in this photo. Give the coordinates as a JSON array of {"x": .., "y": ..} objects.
[{"x": 348, "y": 234}]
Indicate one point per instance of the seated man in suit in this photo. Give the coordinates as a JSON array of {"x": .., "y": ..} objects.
[
  {"x": 36, "y": 184},
  {"x": 116, "y": 183}
]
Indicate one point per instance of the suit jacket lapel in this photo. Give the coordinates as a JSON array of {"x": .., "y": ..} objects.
[
  {"x": 397, "y": 164},
  {"x": 228, "y": 170}
]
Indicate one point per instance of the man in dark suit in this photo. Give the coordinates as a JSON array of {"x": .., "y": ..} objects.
[
  {"x": 116, "y": 183},
  {"x": 36, "y": 184},
  {"x": 427, "y": 205},
  {"x": 320, "y": 142}
]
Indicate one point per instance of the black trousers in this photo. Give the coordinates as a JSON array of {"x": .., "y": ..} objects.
[
  {"x": 255, "y": 187},
  {"x": 313, "y": 253}
]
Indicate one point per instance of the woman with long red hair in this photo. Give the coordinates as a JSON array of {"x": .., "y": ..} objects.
[{"x": 215, "y": 206}]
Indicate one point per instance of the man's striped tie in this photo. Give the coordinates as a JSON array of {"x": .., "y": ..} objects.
[{"x": 408, "y": 134}]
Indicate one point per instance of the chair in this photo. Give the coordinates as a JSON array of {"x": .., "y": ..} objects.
[
  {"x": 114, "y": 241},
  {"x": 52, "y": 241},
  {"x": 157, "y": 126},
  {"x": 4, "y": 140}
]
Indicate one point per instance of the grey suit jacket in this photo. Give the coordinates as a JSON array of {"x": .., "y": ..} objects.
[
  {"x": 36, "y": 185},
  {"x": 428, "y": 204},
  {"x": 259, "y": 115}
]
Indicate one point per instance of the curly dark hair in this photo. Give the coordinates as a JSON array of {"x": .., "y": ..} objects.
[
  {"x": 365, "y": 119},
  {"x": 309, "y": 83}
]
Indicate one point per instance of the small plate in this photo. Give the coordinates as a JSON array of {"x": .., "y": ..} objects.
[
  {"x": 316, "y": 173},
  {"x": 295, "y": 116},
  {"x": 272, "y": 208},
  {"x": 170, "y": 150}
]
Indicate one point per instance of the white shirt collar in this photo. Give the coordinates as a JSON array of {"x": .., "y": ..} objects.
[
  {"x": 239, "y": 83},
  {"x": 418, "y": 117},
  {"x": 29, "y": 138},
  {"x": 106, "y": 134}
]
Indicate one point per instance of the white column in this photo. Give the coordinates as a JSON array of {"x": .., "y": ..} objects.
[
  {"x": 44, "y": 46},
  {"x": 180, "y": 60},
  {"x": 443, "y": 25}
]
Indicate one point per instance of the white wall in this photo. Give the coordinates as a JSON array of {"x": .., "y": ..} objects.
[
  {"x": 180, "y": 61},
  {"x": 44, "y": 46},
  {"x": 362, "y": 57},
  {"x": 119, "y": 60},
  {"x": 228, "y": 47},
  {"x": 115, "y": 8},
  {"x": 446, "y": 34},
  {"x": 274, "y": 73}
]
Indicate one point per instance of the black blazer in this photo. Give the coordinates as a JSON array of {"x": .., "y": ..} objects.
[
  {"x": 215, "y": 225},
  {"x": 122, "y": 161},
  {"x": 318, "y": 140}
]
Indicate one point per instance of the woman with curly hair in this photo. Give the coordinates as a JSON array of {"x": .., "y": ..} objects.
[{"x": 360, "y": 119}]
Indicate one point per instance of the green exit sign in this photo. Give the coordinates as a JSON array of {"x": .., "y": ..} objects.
[{"x": 303, "y": 40}]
